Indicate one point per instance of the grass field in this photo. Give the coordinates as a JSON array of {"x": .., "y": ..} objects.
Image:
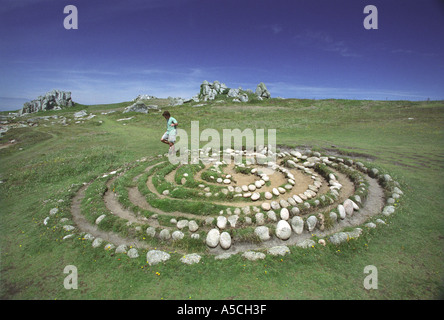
[{"x": 402, "y": 138}]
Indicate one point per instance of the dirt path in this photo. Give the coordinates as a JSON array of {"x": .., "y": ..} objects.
[
  {"x": 114, "y": 206},
  {"x": 87, "y": 227},
  {"x": 139, "y": 200}
]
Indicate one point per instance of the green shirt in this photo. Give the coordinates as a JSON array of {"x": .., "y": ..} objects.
[{"x": 171, "y": 129}]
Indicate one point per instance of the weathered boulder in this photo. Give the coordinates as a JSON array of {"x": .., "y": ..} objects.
[
  {"x": 311, "y": 223},
  {"x": 278, "y": 251},
  {"x": 263, "y": 233},
  {"x": 144, "y": 97},
  {"x": 55, "y": 99},
  {"x": 262, "y": 92},
  {"x": 208, "y": 91},
  {"x": 283, "y": 230},
  {"x": 225, "y": 240},
  {"x": 154, "y": 257},
  {"x": 213, "y": 237},
  {"x": 191, "y": 258},
  {"x": 252, "y": 255},
  {"x": 140, "y": 107},
  {"x": 297, "y": 224}
]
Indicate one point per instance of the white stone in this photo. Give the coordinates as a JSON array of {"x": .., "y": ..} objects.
[
  {"x": 276, "y": 192},
  {"x": 388, "y": 210},
  {"x": 291, "y": 201},
  {"x": 151, "y": 231},
  {"x": 177, "y": 235},
  {"x": 221, "y": 222},
  {"x": 53, "y": 211},
  {"x": 224, "y": 256},
  {"x": 275, "y": 205},
  {"x": 311, "y": 223},
  {"x": 295, "y": 211},
  {"x": 97, "y": 242},
  {"x": 284, "y": 214},
  {"x": 132, "y": 253},
  {"x": 284, "y": 203},
  {"x": 341, "y": 211},
  {"x": 182, "y": 224},
  {"x": 338, "y": 238},
  {"x": 232, "y": 220},
  {"x": 122, "y": 249},
  {"x": 255, "y": 196},
  {"x": 266, "y": 206},
  {"x": 109, "y": 246},
  {"x": 193, "y": 226},
  {"x": 271, "y": 215},
  {"x": 259, "y": 218},
  {"x": 154, "y": 257},
  {"x": 191, "y": 258},
  {"x": 278, "y": 251},
  {"x": 100, "y": 218},
  {"x": 348, "y": 207},
  {"x": 268, "y": 195},
  {"x": 213, "y": 237},
  {"x": 333, "y": 216},
  {"x": 165, "y": 234},
  {"x": 251, "y": 187},
  {"x": 68, "y": 227},
  {"x": 307, "y": 243},
  {"x": 283, "y": 230},
  {"x": 252, "y": 255},
  {"x": 225, "y": 240},
  {"x": 262, "y": 232},
  {"x": 297, "y": 224},
  {"x": 297, "y": 199}
]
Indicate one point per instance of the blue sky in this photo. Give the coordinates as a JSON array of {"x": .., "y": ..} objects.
[{"x": 299, "y": 49}]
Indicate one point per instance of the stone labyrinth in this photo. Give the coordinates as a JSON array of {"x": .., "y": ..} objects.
[{"x": 217, "y": 208}]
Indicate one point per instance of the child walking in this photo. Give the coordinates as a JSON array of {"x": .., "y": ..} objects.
[{"x": 169, "y": 137}]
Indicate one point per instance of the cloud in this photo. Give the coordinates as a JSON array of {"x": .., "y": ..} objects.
[{"x": 323, "y": 41}]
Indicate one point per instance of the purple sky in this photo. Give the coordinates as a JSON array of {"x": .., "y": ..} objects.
[{"x": 299, "y": 49}]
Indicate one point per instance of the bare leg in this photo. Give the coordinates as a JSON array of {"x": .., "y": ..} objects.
[{"x": 172, "y": 148}]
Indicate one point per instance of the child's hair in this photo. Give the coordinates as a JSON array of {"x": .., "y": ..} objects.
[{"x": 166, "y": 114}]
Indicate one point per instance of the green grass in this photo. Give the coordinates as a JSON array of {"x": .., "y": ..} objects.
[{"x": 55, "y": 160}]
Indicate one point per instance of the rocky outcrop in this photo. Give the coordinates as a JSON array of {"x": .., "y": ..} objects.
[
  {"x": 53, "y": 100},
  {"x": 140, "y": 107},
  {"x": 262, "y": 91},
  {"x": 209, "y": 91},
  {"x": 144, "y": 97}
]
